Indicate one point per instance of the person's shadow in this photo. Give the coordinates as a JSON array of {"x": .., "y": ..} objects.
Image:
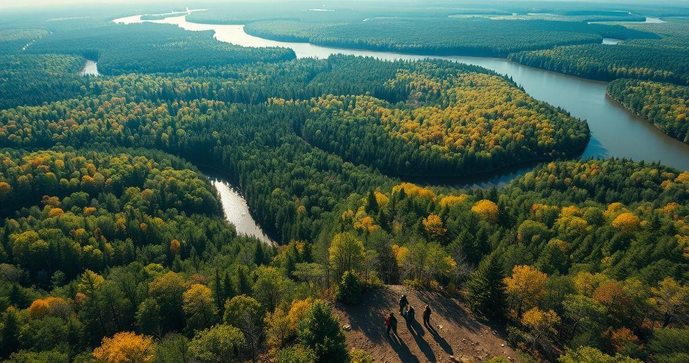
[
  {"x": 410, "y": 320},
  {"x": 417, "y": 332},
  {"x": 438, "y": 339},
  {"x": 402, "y": 350}
]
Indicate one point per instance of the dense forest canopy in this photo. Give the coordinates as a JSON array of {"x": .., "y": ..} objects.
[
  {"x": 113, "y": 244},
  {"x": 124, "y": 49},
  {"x": 443, "y": 36},
  {"x": 658, "y": 60}
]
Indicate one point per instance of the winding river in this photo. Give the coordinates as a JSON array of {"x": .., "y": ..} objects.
[
  {"x": 235, "y": 208},
  {"x": 615, "y": 132}
]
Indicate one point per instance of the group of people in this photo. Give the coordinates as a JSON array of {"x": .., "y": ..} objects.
[{"x": 408, "y": 312}]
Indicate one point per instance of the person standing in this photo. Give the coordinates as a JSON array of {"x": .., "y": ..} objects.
[
  {"x": 403, "y": 304},
  {"x": 391, "y": 323},
  {"x": 427, "y": 317}
]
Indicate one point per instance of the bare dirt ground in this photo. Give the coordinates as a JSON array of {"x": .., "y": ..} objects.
[{"x": 455, "y": 331}]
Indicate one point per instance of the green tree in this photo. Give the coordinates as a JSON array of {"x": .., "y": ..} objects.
[
  {"x": 10, "y": 332},
  {"x": 669, "y": 345},
  {"x": 588, "y": 354},
  {"x": 586, "y": 317},
  {"x": 270, "y": 287},
  {"x": 174, "y": 348},
  {"x": 148, "y": 318},
  {"x": 320, "y": 331},
  {"x": 486, "y": 288},
  {"x": 246, "y": 314},
  {"x": 346, "y": 253},
  {"x": 296, "y": 354},
  {"x": 168, "y": 291},
  {"x": 219, "y": 344},
  {"x": 199, "y": 307},
  {"x": 349, "y": 289}
]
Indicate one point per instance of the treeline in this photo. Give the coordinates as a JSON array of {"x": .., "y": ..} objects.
[
  {"x": 445, "y": 36},
  {"x": 606, "y": 63},
  {"x": 149, "y": 48},
  {"x": 199, "y": 131},
  {"x": 662, "y": 60},
  {"x": 103, "y": 202},
  {"x": 663, "y": 104}
]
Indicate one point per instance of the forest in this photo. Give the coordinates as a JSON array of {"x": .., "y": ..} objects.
[
  {"x": 663, "y": 104},
  {"x": 113, "y": 244},
  {"x": 414, "y": 136},
  {"x": 442, "y": 36},
  {"x": 650, "y": 59},
  {"x": 121, "y": 49},
  {"x": 32, "y": 80},
  {"x": 500, "y": 124}
]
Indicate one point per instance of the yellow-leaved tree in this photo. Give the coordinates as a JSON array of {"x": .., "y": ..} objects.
[
  {"x": 525, "y": 287},
  {"x": 125, "y": 347},
  {"x": 346, "y": 253},
  {"x": 540, "y": 323},
  {"x": 486, "y": 209},
  {"x": 434, "y": 226},
  {"x": 626, "y": 222}
]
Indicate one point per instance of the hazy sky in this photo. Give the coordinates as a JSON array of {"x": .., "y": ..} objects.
[{"x": 24, "y": 3}]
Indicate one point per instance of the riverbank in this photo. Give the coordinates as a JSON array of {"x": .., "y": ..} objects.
[{"x": 640, "y": 116}]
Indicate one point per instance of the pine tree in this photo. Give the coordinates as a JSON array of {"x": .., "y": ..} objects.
[
  {"x": 320, "y": 331},
  {"x": 228, "y": 288},
  {"x": 371, "y": 204},
  {"x": 10, "y": 333},
  {"x": 487, "y": 290}
]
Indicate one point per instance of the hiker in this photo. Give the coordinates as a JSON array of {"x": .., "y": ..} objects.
[
  {"x": 410, "y": 313},
  {"x": 410, "y": 320},
  {"x": 403, "y": 303},
  {"x": 391, "y": 323},
  {"x": 427, "y": 317}
]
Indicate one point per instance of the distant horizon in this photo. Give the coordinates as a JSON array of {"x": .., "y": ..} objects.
[{"x": 19, "y": 4}]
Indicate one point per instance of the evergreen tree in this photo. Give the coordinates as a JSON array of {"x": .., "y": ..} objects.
[
  {"x": 487, "y": 290},
  {"x": 320, "y": 331},
  {"x": 10, "y": 333}
]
